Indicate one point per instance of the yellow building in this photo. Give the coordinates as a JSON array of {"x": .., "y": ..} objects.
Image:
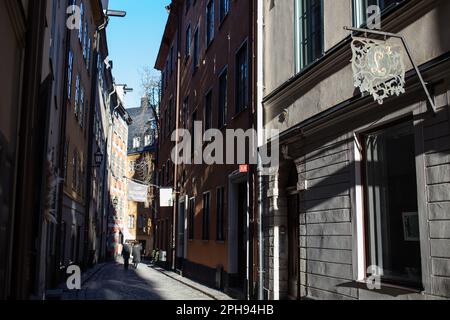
[{"x": 141, "y": 150}]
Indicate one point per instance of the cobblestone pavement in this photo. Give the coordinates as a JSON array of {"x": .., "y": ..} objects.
[{"x": 112, "y": 282}]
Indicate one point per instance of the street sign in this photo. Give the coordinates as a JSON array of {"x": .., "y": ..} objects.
[
  {"x": 166, "y": 197},
  {"x": 378, "y": 68},
  {"x": 244, "y": 168}
]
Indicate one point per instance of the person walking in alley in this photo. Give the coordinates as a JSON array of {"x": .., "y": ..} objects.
[
  {"x": 126, "y": 255},
  {"x": 137, "y": 254}
]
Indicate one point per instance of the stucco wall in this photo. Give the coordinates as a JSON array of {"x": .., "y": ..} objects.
[{"x": 423, "y": 30}]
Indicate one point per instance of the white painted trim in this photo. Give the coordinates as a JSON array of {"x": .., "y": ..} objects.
[{"x": 359, "y": 214}]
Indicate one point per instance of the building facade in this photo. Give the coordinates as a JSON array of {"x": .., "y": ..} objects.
[
  {"x": 207, "y": 63},
  {"x": 49, "y": 70},
  {"x": 80, "y": 105},
  {"x": 362, "y": 191},
  {"x": 142, "y": 143},
  {"x": 22, "y": 159},
  {"x": 117, "y": 226}
]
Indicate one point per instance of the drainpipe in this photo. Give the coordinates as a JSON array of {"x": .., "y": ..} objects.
[{"x": 260, "y": 127}]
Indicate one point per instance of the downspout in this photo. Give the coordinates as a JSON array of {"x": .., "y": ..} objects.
[
  {"x": 260, "y": 133},
  {"x": 177, "y": 119}
]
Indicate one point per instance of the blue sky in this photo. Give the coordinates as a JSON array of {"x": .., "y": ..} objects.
[{"x": 134, "y": 41}]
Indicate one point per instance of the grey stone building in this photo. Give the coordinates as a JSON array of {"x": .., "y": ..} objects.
[{"x": 361, "y": 186}]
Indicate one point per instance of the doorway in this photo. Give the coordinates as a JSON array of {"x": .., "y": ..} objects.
[
  {"x": 238, "y": 235},
  {"x": 242, "y": 234}
]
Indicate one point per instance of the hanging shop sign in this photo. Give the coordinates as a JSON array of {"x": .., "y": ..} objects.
[
  {"x": 137, "y": 192},
  {"x": 378, "y": 67},
  {"x": 166, "y": 197}
]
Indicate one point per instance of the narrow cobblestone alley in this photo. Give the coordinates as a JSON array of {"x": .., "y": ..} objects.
[{"x": 112, "y": 282}]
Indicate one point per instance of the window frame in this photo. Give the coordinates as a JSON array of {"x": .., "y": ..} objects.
[
  {"x": 222, "y": 118},
  {"x": 220, "y": 214},
  {"x": 209, "y": 18},
  {"x": 208, "y": 111},
  {"x": 191, "y": 219},
  {"x": 196, "y": 53},
  {"x": 238, "y": 108},
  {"x": 358, "y": 18},
  {"x": 206, "y": 216},
  {"x": 223, "y": 10},
  {"x": 300, "y": 61},
  {"x": 366, "y": 252}
]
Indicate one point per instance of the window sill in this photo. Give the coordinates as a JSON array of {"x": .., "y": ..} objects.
[{"x": 389, "y": 288}]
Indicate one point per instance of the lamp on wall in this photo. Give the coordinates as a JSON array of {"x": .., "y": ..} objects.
[{"x": 98, "y": 158}]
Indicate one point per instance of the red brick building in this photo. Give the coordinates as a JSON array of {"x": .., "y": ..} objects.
[{"x": 207, "y": 65}]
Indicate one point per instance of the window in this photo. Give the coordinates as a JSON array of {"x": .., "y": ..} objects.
[
  {"x": 223, "y": 96},
  {"x": 132, "y": 166},
  {"x": 241, "y": 78},
  {"x": 80, "y": 31},
  {"x": 77, "y": 94},
  {"x": 136, "y": 142},
  {"x": 209, "y": 22},
  {"x": 392, "y": 227},
  {"x": 220, "y": 214},
  {"x": 147, "y": 140},
  {"x": 196, "y": 49},
  {"x": 360, "y": 7},
  {"x": 309, "y": 32},
  {"x": 206, "y": 213},
  {"x": 184, "y": 113},
  {"x": 88, "y": 63},
  {"x": 130, "y": 222},
  {"x": 81, "y": 107},
  {"x": 187, "y": 49},
  {"x": 224, "y": 8},
  {"x": 140, "y": 222},
  {"x": 188, "y": 5},
  {"x": 85, "y": 40},
  {"x": 69, "y": 75},
  {"x": 208, "y": 111},
  {"x": 191, "y": 218},
  {"x": 193, "y": 137}
]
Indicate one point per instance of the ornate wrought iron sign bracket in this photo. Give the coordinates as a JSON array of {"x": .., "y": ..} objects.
[{"x": 378, "y": 66}]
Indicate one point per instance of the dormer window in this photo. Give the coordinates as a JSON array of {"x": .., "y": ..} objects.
[
  {"x": 147, "y": 140},
  {"x": 136, "y": 142}
]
